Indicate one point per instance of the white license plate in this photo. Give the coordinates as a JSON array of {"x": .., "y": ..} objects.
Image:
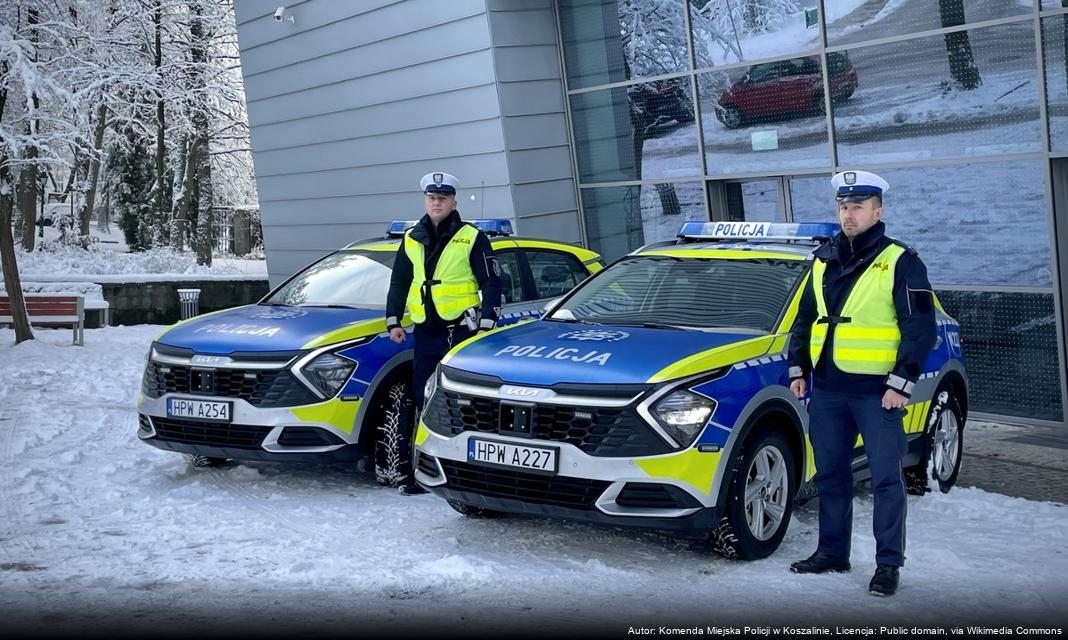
[
  {"x": 513, "y": 456},
  {"x": 200, "y": 409}
]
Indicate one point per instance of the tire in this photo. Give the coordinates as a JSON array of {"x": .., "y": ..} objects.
[
  {"x": 733, "y": 117},
  {"x": 393, "y": 436},
  {"x": 200, "y": 461},
  {"x": 943, "y": 447},
  {"x": 818, "y": 106},
  {"x": 765, "y": 471},
  {"x": 842, "y": 98},
  {"x": 473, "y": 512}
]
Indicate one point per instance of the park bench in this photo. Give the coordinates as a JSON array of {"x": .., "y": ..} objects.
[{"x": 50, "y": 309}]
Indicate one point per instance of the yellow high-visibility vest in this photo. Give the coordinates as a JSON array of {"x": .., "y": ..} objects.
[
  {"x": 868, "y": 341},
  {"x": 453, "y": 288}
]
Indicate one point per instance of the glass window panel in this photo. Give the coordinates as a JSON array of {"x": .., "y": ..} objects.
[
  {"x": 968, "y": 227},
  {"x": 555, "y": 273},
  {"x": 770, "y": 116},
  {"x": 727, "y": 31},
  {"x": 1055, "y": 55},
  {"x": 755, "y": 201},
  {"x": 1054, "y": 4},
  {"x": 850, "y": 21},
  {"x": 607, "y": 41},
  {"x": 641, "y": 132},
  {"x": 910, "y": 105},
  {"x": 621, "y": 219},
  {"x": 812, "y": 199},
  {"x": 511, "y": 280}
]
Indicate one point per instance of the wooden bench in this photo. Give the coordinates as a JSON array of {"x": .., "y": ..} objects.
[{"x": 50, "y": 309}]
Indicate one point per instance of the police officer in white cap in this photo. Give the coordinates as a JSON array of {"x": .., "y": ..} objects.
[
  {"x": 441, "y": 266},
  {"x": 864, "y": 328}
]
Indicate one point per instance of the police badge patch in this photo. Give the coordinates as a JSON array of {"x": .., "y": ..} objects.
[
  {"x": 850, "y": 177},
  {"x": 439, "y": 178}
]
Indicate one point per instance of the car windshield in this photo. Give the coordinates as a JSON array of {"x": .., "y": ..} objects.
[
  {"x": 350, "y": 278},
  {"x": 694, "y": 293}
]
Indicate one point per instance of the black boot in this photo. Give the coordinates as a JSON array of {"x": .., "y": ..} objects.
[
  {"x": 410, "y": 489},
  {"x": 820, "y": 562},
  {"x": 884, "y": 582}
]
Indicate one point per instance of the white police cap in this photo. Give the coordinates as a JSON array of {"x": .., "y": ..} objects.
[
  {"x": 857, "y": 186},
  {"x": 438, "y": 182}
]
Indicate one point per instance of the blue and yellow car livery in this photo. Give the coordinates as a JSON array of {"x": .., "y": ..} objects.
[
  {"x": 656, "y": 394},
  {"x": 309, "y": 372}
]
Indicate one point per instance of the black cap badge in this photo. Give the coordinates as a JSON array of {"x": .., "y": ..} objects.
[
  {"x": 439, "y": 178},
  {"x": 850, "y": 177}
]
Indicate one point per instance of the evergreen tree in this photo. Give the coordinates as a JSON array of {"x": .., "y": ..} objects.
[{"x": 131, "y": 167}]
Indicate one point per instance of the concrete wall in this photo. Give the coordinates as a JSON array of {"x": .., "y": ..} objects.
[
  {"x": 157, "y": 302},
  {"x": 354, "y": 101}
]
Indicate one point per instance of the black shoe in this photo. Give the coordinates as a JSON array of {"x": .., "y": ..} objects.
[
  {"x": 820, "y": 562},
  {"x": 884, "y": 582},
  {"x": 411, "y": 489}
]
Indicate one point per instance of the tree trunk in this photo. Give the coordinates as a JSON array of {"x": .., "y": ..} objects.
[
  {"x": 94, "y": 168},
  {"x": 161, "y": 209},
  {"x": 27, "y": 198},
  {"x": 12, "y": 282},
  {"x": 205, "y": 212},
  {"x": 959, "y": 48},
  {"x": 181, "y": 208}
]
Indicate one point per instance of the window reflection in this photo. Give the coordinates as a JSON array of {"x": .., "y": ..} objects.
[
  {"x": 1055, "y": 55},
  {"x": 920, "y": 99},
  {"x": 850, "y": 21},
  {"x": 728, "y": 31},
  {"x": 621, "y": 219},
  {"x": 641, "y": 132},
  {"x": 608, "y": 41}
]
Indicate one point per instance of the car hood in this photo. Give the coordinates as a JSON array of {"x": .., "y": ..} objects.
[
  {"x": 265, "y": 328},
  {"x": 545, "y": 352}
]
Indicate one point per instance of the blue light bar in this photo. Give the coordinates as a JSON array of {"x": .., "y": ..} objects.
[
  {"x": 398, "y": 227},
  {"x": 757, "y": 231},
  {"x": 494, "y": 226}
]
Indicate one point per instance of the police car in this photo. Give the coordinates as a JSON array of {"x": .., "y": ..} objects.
[
  {"x": 309, "y": 372},
  {"x": 656, "y": 394}
]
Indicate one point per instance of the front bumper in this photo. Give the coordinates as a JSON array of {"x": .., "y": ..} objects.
[{"x": 284, "y": 434}]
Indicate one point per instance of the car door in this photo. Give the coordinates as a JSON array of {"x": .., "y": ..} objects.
[{"x": 553, "y": 273}]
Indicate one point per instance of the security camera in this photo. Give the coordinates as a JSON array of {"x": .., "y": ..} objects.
[{"x": 279, "y": 14}]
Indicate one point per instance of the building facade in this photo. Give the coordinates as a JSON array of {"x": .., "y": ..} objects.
[{"x": 612, "y": 122}]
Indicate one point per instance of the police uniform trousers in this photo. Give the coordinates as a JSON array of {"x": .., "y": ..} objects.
[
  {"x": 835, "y": 420},
  {"x": 432, "y": 342}
]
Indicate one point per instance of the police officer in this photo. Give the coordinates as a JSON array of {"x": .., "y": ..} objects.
[
  {"x": 441, "y": 265},
  {"x": 864, "y": 328}
]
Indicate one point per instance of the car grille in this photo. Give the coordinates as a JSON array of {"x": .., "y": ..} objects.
[
  {"x": 264, "y": 388},
  {"x": 649, "y": 495},
  {"x": 239, "y": 436},
  {"x": 598, "y": 431},
  {"x": 503, "y": 483}
]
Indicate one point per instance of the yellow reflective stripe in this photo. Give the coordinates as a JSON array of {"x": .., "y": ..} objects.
[
  {"x": 336, "y": 413},
  {"x": 482, "y": 335},
  {"x": 791, "y": 311},
  {"x": 455, "y": 289},
  {"x": 352, "y": 331},
  {"x": 691, "y": 466},
  {"x": 594, "y": 267},
  {"x": 779, "y": 344},
  {"x": 421, "y": 434},
  {"x": 580, "y": 253},
  {"x": 714, "y": 358},
  {"x": 727, "y": 254},
  {"x": 851, "y": 331},
  {"x": 374, "y": 246},
  {"x": 861, "y": 355}
]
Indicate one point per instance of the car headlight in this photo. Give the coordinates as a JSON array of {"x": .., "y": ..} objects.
[
  {"x": 328, "y": 373},
  {"x": 683, "y": 414},
  {"x": 431, "y": 386}
]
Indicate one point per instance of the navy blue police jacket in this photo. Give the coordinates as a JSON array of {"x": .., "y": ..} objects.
[
  {"x": 913, "y": 299},
  {"x": 483, "y": 265}
]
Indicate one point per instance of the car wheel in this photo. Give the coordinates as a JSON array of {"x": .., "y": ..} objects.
[
  {"x": 473, "y": 512},
  {"x": 818, "y": 106},
  {"x": 943, "y": 448},
  {"x": 842, "y": 98},
  {"x": 206, "y": 461},
  {"x": 684, "y": 115},
  {"x": 759, "y": 500},
  {"x": 393, "y": 437},
  {"x": 732, "y": 117}
]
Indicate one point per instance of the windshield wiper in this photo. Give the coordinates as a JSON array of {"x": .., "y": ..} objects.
[
  {"x": 573, "y": 321},
  {"x": 657, "y": 325},
  {"x": 332, "y": 306},
  {"x": 276, "y": 304}
]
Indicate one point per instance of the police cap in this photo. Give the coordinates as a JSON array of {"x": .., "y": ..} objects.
[
  {"x": 438, "y": 182},
  {"x": 858, "y": 186}
]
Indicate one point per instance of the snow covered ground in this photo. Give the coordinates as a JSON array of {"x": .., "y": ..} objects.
[{"x": 99, "y": 532}]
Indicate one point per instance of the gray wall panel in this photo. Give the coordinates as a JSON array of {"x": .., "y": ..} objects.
[
  {"x": 309, "y": 17},
  {"x": 467, "y": 70},
  {"x": 443, "y": 41},
  {"x": 475, "y": 103},
  {"x": 532, "y": 98},
  {"x": 537, "y": 62},
  {"x": 361, "y": 29},
  {"x": 559, "y": 226},
  {"x": 540, "y": 165},
  {"x": 480, "y": 137},
  {"x": 538, "y": 197},
  {"x": 536, "y": 131},
  {"x": 524, "y": 27}
]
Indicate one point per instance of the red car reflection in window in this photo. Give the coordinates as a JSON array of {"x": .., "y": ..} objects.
[{"x": 784, "y": 88}]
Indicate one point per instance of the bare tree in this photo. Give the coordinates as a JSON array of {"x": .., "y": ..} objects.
[{"x": 959, "y": 48}]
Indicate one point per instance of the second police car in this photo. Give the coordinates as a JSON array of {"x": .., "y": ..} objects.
[
  {"x": 656, "y": 394},
  {"x": 309, "y": 372}
]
